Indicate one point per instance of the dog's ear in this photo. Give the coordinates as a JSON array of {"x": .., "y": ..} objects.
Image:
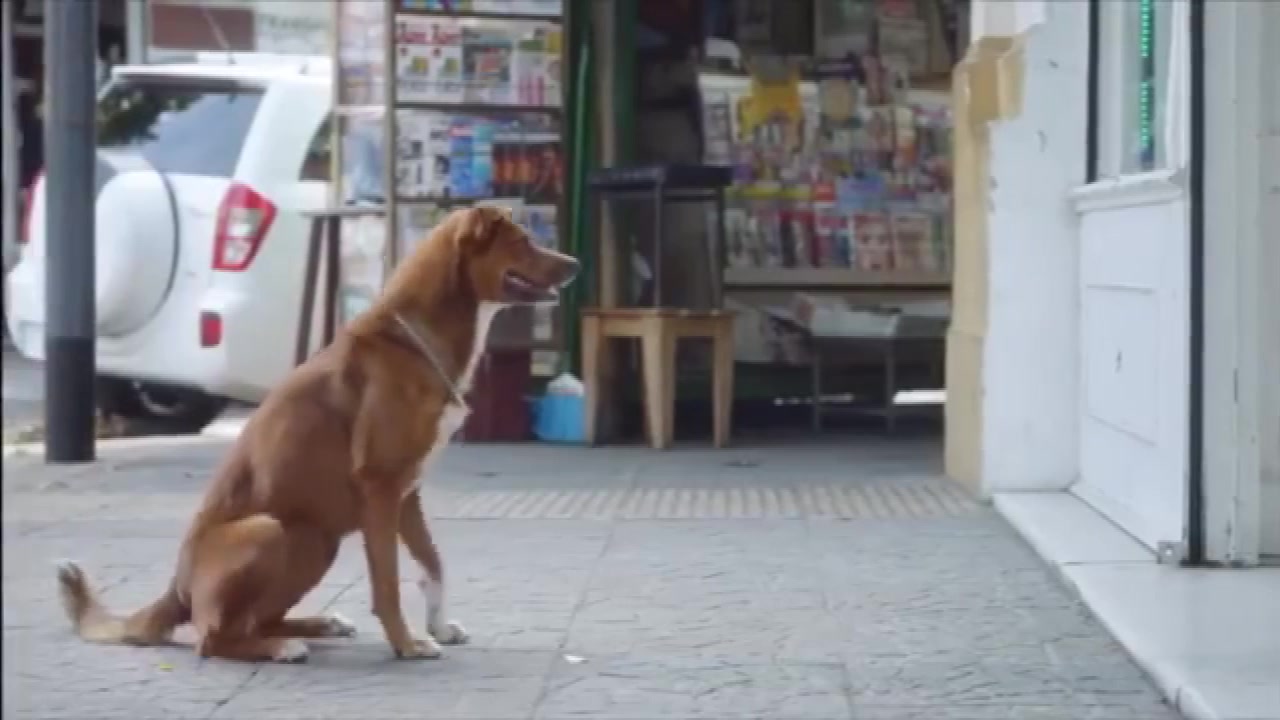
[{"x": 482, "y": 223}]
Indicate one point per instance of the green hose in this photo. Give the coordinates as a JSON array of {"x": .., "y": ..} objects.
[{"x": 580, "y": 152}]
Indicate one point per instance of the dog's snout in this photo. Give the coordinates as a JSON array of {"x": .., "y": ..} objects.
[{"x": 569, "y": 269}]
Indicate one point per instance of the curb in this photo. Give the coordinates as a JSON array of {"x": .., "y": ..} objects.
[
  {"x": 32, "y": 449},
  {"x": 229, "y": 424},
  {"x": 1171, "y": 681}
]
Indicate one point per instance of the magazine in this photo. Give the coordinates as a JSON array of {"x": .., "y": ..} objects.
[
  {"x": 429, "y": 60},
  {"x": 913, "y": 245},
  {"x": 873, "y": 242},
  {"x": 487, "y": 55}
]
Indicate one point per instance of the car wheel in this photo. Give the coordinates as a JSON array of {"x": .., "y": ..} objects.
[{"x": 152, "y": 409}]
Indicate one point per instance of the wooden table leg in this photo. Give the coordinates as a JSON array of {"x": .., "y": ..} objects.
[
  {"x": 592, "y": 344},
  {"x": 815, "y": 386},
  {"x": 659, "y": 202},
  {"x": 722, "y": 388},
  {"x": 309, "y": 280},
  {"x": 719, "y": 250},
  {"x": 332, "y": 259},
  {"x": 659, "y": 350},
  {"x": 890, "y": 387}
]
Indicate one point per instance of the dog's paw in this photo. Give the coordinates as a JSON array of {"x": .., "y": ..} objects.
[
  {"x": 450, "y": 633},
  {"x": 340, "y": 626},
  {"x": 292, "y": 650},
  {"x": 427, "y": 649}
]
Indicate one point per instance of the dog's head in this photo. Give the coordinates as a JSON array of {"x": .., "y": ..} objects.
[{"x": 502, "y": 263}]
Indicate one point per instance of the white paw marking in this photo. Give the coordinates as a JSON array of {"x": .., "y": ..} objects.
[
  {"x": 292, "y": 650},
  {"x": 340, "y": 626},
  {"x": 426, "y": 648},
  {"x": 450, "y": 633}
]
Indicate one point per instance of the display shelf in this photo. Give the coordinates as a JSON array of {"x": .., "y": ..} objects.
[
  {"x": 476, "y": 14},
  {"x": 742, "y": 278},
  {"x": 442, "y": 105},
  {"x": 479, "y": 108},
  {"x": 845, "y": 187}
]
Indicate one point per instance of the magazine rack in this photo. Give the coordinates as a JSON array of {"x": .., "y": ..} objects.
[{"x": 442, "y": 104}]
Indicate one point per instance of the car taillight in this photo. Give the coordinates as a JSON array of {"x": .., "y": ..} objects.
[{"x": 243, "y": 221}]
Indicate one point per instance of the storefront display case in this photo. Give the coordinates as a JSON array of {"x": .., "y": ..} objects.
[
  {"x": 841, "y": 157},
  {"x": 442, "y": 104},
  {"x": 473, "y": 107}
]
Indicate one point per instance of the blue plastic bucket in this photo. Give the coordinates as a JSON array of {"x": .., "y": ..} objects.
[{"x": 559, "y": 419}]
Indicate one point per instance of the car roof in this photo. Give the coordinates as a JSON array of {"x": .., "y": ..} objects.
[{"x": 252, "y": 67}]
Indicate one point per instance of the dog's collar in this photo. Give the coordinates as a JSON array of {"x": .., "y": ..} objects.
[{"x": 420, "y": 343}]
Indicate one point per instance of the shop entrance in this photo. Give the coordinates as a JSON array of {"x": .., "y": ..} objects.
[{"x": 835, "y": 117}]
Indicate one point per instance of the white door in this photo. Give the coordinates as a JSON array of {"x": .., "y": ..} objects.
[{"x": 1134, "y": 354}]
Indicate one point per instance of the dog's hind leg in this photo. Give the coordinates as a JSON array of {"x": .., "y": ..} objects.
[
  {"x": 253, "y": 648},
  {"x": 152, "y": 625},
  {"x": 333, "y": 625},
  {"x": 247, "y": 574}
]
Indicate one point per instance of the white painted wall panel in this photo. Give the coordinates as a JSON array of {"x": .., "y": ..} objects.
[
  {"x": 1030, "y": 379},
  {"x": 1133, "y": 355}
]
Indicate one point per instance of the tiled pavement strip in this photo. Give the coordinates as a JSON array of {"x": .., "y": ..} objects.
[{"x": 807, "y": 581}]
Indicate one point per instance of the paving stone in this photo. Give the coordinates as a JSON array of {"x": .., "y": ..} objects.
[
  {"x": 359, "y": 679},
  {"x": 50, "y": 674},
  {"x": 613, "y": 583},
  {"x": 657, "y": 687}
]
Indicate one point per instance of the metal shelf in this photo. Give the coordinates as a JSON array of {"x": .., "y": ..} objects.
[
  {"x": 452, "y": 202},
  {"x": 480, "y": 108},
  {"x": 470, "y": 15},
  {"x": 831, "y": 277},
  {"x": 380, "y": 103}
]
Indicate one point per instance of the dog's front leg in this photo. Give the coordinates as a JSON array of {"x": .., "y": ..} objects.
[
  {"x": 417, "y": 538},
  {"x": 381, "y": 513}
]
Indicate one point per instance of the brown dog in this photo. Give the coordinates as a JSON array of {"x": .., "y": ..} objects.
[{"x": 340, "y": 446}]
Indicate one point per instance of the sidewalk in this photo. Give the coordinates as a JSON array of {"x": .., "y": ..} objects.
[{"x": 809, "y": 581}]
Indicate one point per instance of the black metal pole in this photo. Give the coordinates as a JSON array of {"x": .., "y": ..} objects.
[
  {"x": 1196, "y": 542},
  {"x": 1095, "y": 66},
  {"x": 71, "y": 43}
]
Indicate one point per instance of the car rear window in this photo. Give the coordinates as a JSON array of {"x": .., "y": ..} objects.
[{"x": 179, "y": 125}]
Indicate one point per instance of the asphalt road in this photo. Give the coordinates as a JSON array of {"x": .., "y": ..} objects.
[{"x": 23, "y": 391}]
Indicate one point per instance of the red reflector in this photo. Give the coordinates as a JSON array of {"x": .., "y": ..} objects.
[{"x": 210, "y": 329}]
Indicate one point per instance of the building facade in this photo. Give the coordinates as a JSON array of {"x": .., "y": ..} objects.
[
  {"x": 1111, "y": 339},
  {"x": 172, "y": 29}
]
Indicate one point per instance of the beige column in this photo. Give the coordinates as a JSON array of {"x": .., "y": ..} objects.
[{"x": 986, "y": 87}]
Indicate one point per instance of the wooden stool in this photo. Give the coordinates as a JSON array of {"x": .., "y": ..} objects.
[{"x": 658, "y": 330}]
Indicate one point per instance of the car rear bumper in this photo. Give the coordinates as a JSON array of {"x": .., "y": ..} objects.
[{"x": 251, "y": 357}]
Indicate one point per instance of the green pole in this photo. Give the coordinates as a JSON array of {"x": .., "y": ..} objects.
[{"x": 581, "y": 154}]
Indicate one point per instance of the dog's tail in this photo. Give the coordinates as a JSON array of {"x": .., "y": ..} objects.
[{"x": 152, "y": 625}]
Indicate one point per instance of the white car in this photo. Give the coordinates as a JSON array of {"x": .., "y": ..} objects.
[{"x": 204, "y": 172}]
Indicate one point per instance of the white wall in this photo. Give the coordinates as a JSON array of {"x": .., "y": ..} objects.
[
  {"x": 280, "y": 26},
  {"x": 1005, "y": 18},
  {"x": 1031, "y": 374}
]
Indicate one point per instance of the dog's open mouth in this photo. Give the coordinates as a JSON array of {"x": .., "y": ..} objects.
[{"x": 519, "y": 289}]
